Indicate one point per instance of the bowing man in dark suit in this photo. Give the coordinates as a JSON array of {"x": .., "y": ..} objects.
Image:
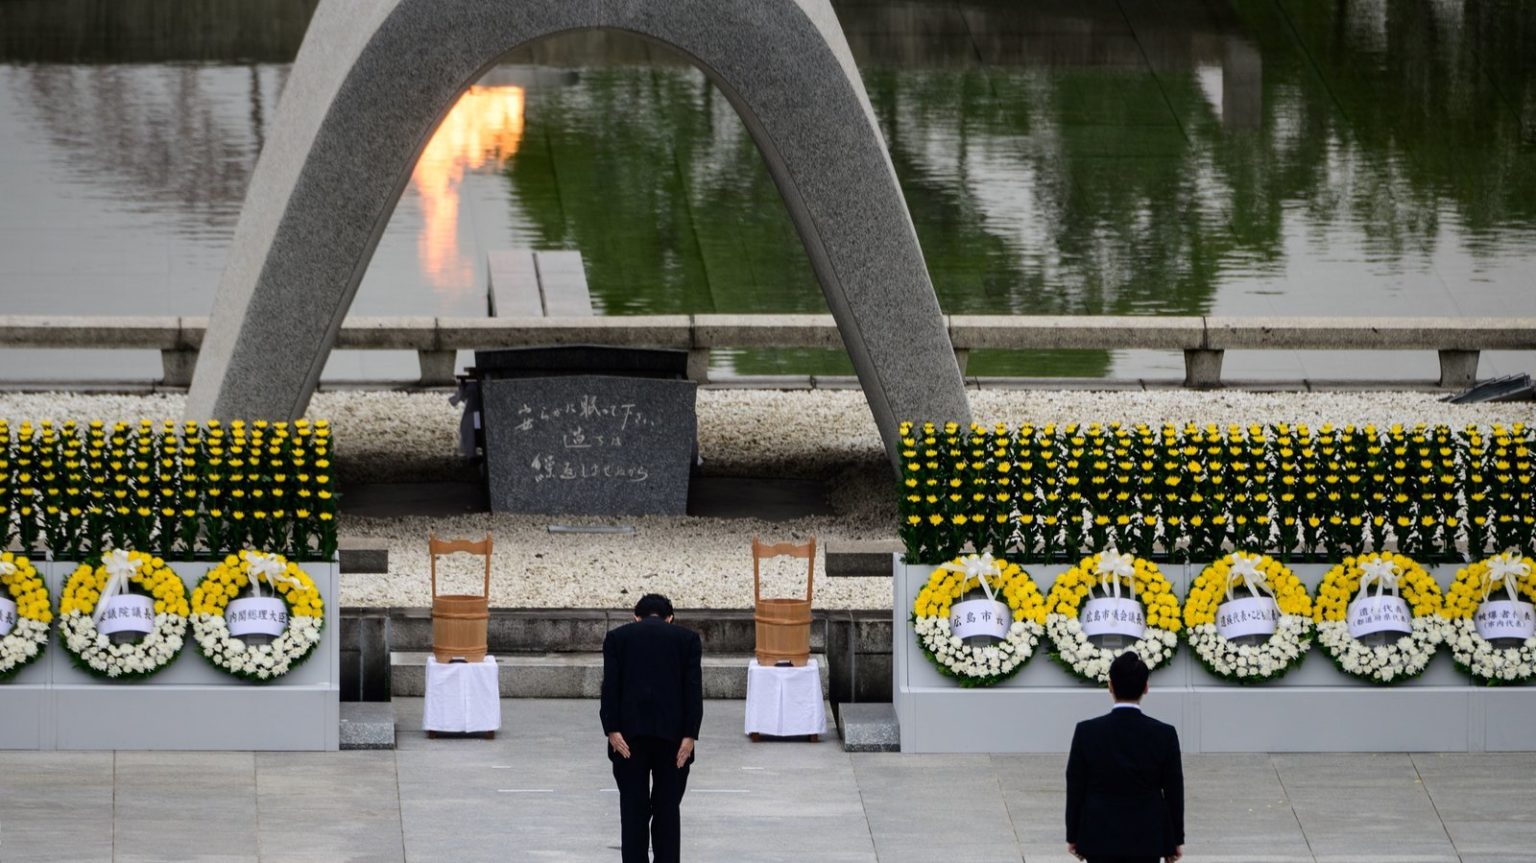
[
  {"x": 653, "y": 702},
  {"x": 1125, "y": 780}
]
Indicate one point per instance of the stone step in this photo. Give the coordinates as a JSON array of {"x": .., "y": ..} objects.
[
  {"x": 367, "y": 725},
  {"x": 869, "y": 727},
  {"x": 572, "y": 675}
]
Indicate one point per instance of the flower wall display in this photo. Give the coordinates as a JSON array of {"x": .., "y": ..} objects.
[
  {"x": 25, "y": 612},
  {"x": 1213, "y": 612},
  {"x": 1488, "y": 612},
  {"x": 1112, "y": 573},
  {"x": 297, "y": 633},
  {"x": 178, "y": 491},
  {"x": 86, "y": 602},
  {"x": 941, "y": 618},
  {"x": 1345, "y": 606},
  {"x": 1195, "y": 492}
]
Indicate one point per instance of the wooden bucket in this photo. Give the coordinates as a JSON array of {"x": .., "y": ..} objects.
[
  {"x": 783, "y": 631},
  {"x": 459, "y": 627},
  {"x": 783, "y": 625},
  {"x": 460, "y": 622}
]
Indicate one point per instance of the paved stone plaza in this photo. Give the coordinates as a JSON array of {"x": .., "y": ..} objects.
[{"x": 541, "y": 791}]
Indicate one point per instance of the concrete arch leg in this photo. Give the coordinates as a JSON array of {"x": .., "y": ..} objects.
[{"x": 373, "y": 80}]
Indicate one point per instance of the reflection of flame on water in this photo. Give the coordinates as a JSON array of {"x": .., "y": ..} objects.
[{"x": 484, "y": 128}]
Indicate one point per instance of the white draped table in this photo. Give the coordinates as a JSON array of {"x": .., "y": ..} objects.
[
  {"x": 462, "y": 698},
  {"x": 785, "y": 702}
]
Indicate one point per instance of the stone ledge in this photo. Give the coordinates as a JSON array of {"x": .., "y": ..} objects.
[
  {"x": 573, "y": 675},
  {"x": 869, "y": 728},
  {"x": 860, "y": 558},
  {"x": 359, "y": 555}
]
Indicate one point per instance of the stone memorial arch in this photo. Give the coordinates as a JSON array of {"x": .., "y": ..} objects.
[{"x": 373, "y": 80}]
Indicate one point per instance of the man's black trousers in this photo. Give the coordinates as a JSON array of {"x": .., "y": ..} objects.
[{"x": 650, "y": 788}]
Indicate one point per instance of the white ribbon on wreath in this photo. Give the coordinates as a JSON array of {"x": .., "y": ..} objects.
[
  {"x": 275, "y": 571},
  {"x": 975, "y": 566},
  {"x": 1114, "y": 566},
  {"x": 1247, "y": 569},
  {"x": 1380, "y": 572},
  {"x": 7, "y": 568},
  {"x": 1507, "y": 569},
  {"x": 121, "y": 568}
]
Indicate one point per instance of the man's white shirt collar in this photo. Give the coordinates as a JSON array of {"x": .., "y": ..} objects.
[{"x": 1119, "y": 705}]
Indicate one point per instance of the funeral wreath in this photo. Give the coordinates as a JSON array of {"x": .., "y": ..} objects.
[
  {"x": 1114, "y": 595},
  {"x": 25, "y": 613},
  {"x": 984, "y": 640},
  {"x": 1387, "y": 636},
  {"x": 124, "y": 618},
  {"x": 1253, "y": 637},
  {"x": 1490, "y": 619},
  {"x": 262, "y": 636}
]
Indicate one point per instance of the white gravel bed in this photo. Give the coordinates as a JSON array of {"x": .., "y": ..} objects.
[{"x": 826, "y": 434}]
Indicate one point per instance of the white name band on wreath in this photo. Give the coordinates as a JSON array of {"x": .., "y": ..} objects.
[
  {"x": 979, "y": 617},
  {"x": 1502, "y": 618},
  {"x": 1371, "y": 614},
  {"x": 257, "y": 615},
  {"x": 127, "y": 612},
  {"x": 1113, "y": 616},
  {"x": 7, "y": 616},
  {"x": 1252, "y": 615}
]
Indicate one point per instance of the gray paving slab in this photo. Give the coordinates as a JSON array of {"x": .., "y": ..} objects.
[{"x": 542, "y": 791}]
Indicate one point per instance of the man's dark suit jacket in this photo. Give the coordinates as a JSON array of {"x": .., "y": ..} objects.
[
  {"x": 1125, "y": 786},
  {"x": 652, "y": 683}
]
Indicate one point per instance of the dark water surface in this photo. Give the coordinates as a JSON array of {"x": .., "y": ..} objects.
[{"x": 1302, "y": 157}]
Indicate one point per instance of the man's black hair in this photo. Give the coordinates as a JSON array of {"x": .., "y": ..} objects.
[
  {"x": 658, "y": 605},
  {"x": 1128, "y": 675}
]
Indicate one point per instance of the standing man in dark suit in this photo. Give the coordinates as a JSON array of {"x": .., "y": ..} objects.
[
  {"x": 653, "y": 702},
  {"x": 1125, "y": 780}
]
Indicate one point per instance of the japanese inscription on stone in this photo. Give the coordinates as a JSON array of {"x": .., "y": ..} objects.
[{"x": 589, "y": 444}]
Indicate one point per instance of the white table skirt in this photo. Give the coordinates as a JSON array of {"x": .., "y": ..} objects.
[
  {"x": 462, "y": 697},
  {"x": 785, "y": 702}
]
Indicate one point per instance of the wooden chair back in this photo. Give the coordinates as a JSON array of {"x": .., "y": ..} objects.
[
  {"x": 481, "y": 547},
  {"x": 762, "y": 550}
]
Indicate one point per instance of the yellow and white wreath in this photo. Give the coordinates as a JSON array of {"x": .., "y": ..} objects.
[
  {"x": 299, "y": 633},
  {"x": 86, "y": 599},
  {"x": 942, "y": 620},
  {"x": 1493, "y": 599},
  {"x": 1110, "y": 572},
  {"x": 1277, "y": 603},
  {"x": 25, "y": 613},
  {"x": 1345, "y": 606}
]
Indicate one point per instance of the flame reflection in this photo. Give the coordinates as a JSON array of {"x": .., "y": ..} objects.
[{"x": 483, "y": 129}]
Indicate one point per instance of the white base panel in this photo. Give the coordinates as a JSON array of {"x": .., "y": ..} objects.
[{"x": 1314, "y": 708}]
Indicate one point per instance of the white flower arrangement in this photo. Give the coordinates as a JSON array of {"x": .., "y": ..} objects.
[
  {"x": 90, "y": 586},
  {"x": 1389, "y": 663},
  {"x": 28, "y": 611},
  {"x": 977, "y": 664},
  {"x": 1245, "y": 663},
  {"x": 258, "y": 663},
  {"x": 1475, "y": 585},
  {"x": 1073, "y": 649}
]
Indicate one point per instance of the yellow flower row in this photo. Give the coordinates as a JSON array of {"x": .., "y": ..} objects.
[
  {"x": 84, "y": 587},
  {"x": 1466, "y": 592},
  {"x": 26, "y": 589},
  {"x": 1012, "y": 584},
  {"x": 1210, "y": 590},
  {"x": 1342, "y": 583},
  {"x": 1147, "y": 583},
  {"x": 225, "y": 581}
]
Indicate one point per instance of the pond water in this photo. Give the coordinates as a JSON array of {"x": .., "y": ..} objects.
[{"x": 1304, "y": 157}]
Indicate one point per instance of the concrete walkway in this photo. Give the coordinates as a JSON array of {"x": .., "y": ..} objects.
[{"x": 541, "y": 791}]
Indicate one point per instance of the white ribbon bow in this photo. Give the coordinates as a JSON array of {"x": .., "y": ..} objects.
[
  {"x": 1114, "y": 566},
  {"x": 978, "y": 567},
  {"x": 120, "y": 567},
  {"x": 1247, "y": 569},
  {"x": 1382, "y": 573},
  {"x": 269, "y": 566},
  {"x": 7, "y": 568},
  {"x": 1506, "y": 568}
]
